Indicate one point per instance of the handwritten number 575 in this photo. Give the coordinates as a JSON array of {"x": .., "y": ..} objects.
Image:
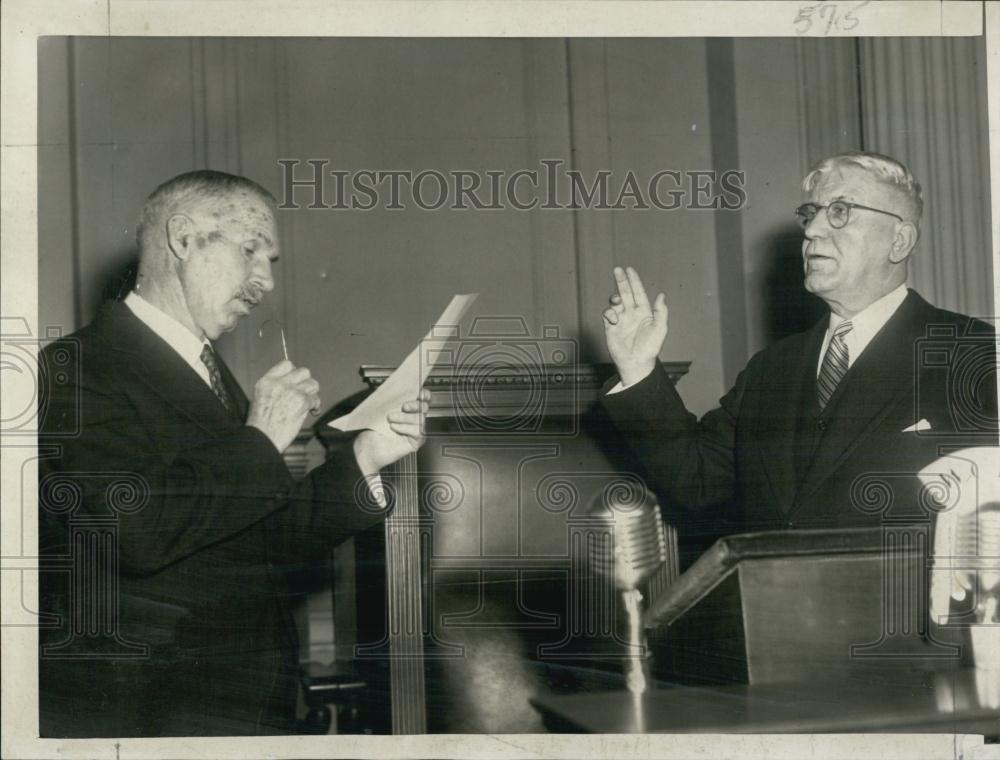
[{"x": 828, "y": 13}]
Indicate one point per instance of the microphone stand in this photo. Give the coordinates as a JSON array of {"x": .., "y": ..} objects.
[
  {"x": 640, "y": 549},
  {"x": 636, "y": 676},
  {"x": 637, "y": 664}
]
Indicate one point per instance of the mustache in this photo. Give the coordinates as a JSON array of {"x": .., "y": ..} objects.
[{"x": 251, "y": 294}]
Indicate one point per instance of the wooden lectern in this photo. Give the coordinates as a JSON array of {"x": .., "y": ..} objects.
[
  {"x": 802, "y": 605},
  {"x": 796, "y": 631}
]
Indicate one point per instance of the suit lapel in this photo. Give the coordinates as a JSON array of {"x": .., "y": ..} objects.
[
  {"x": 153, "y": 362},
  {"x": 782, "y": 414},
  {"x": 881, "y": 376}
]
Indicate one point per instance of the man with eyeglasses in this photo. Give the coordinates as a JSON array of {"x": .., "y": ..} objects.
[{"x": 820, "y": 421}]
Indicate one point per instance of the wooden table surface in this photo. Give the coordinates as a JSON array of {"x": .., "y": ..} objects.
[{"x": 930, "y": 703}]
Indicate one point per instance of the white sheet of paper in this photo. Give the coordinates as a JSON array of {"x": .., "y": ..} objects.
[{"x": 405, "y": 383}]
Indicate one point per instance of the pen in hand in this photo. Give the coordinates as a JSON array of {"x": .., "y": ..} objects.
[{"x": 281, "y": 328}]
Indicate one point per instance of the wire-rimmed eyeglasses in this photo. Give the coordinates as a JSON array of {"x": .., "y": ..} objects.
[{"x": 838, "y": 213}]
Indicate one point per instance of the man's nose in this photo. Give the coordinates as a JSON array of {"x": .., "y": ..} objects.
[
  {"x": 263, "y": 275},
  {"x": 817, "y": 226}
]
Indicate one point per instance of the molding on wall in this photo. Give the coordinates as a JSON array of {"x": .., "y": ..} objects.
[
  {"x": 199, "y": 121},
  {"x": 74, "y": 182},
  {"x": 282, "y": 132},
  {"x": 828, "y": 98},
  {"x": 554, "y": 265},
  {"x": 730, "y": 245},
  {"x": 589, "y": 118}
]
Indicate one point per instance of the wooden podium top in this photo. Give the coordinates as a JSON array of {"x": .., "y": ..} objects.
[
  {"x": 727, "y": 552},
  {"x": 496, "y": 389}
]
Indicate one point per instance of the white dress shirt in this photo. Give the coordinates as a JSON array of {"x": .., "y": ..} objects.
[
  {"x": 865, "y": 324},
  {"x": 177, "y": 336},
  {"x": 183, "y": 341}
]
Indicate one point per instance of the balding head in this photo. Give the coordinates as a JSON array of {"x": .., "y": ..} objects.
[
  {"x": 203, "y": 190},
  {"x": 206, "y": 243}
]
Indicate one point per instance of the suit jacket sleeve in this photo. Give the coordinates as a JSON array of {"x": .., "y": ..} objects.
[
  {"x": 170, "y": 502},
  {"x": 332, "y": 504},
  {"x": 691, "y": 462}
]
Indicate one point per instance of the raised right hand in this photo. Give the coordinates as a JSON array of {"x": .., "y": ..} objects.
[
  {"x": 634, "y": 331},
  {"x": 281, "y": 400}
]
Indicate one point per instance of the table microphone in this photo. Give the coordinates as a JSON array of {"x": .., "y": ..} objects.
[
  {"x": 639, "y": 549},
  {"x": 965, "y": 488}
]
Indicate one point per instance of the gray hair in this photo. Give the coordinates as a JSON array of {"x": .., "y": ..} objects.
[
  {"x": 202, "y": 187},
  {"x": 883, "y": 169}
]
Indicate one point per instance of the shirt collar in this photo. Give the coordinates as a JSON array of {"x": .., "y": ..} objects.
[
  {"x": 867, "y": 322},
  {"x": 177, "y": 336}
]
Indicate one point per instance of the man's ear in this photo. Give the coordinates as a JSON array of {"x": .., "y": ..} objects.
[
  {"x": 904, "y": 242},
  {"x": 180, "y": 236}
]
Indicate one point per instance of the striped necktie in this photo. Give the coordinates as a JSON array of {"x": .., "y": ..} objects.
[
  {"x": 834, "y": 365},
  {"x": 208, "y": 359}
]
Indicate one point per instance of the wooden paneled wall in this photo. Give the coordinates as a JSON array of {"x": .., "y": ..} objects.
[{"x": 120, "y": 115}]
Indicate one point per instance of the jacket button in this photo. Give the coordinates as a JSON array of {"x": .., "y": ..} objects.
[{"x": 821, "y": 424}]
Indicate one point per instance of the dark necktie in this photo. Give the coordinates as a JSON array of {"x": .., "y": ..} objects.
[
  {"x": 834, "y": 365},
  {"x": 208, "y": 359}
]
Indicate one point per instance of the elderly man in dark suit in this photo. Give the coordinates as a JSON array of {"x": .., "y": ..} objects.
[
  {"x": 173, "y": 607},
  {"x": 826, "y": 428}
]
